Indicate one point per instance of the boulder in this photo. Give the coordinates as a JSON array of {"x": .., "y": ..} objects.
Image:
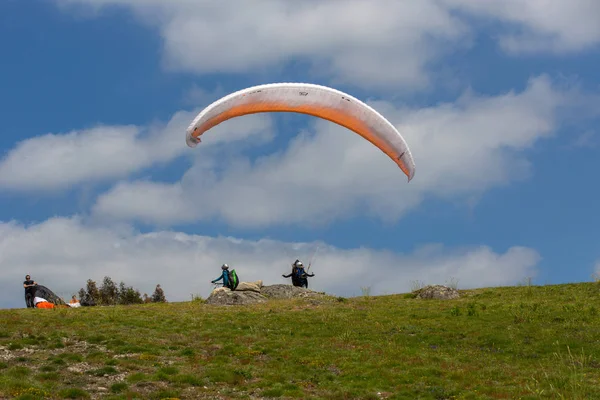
[
  {"x": 287, "y": 292},
  {"x": 255, "y": 292},
  {"x": 224, "y": 296},
  {"x": 439, "y": 292},
  {"x": 249, "y": 286}
]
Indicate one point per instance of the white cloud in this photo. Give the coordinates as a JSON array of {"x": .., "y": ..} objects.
[
  {"x": 460, "y": 149},
  {"x": 159, "y": 203},
  {"x": 58, "y": 161},
  {"x": 63, "y": 253},
  {"x": 536, "y": 26},
  {"x": 337, "y": 40}
]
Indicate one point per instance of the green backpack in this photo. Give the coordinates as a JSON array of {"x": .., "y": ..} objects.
[{"x": 233, "y": 280}]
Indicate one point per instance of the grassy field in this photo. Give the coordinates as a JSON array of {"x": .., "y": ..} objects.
[{"x": 528, "y": 342}]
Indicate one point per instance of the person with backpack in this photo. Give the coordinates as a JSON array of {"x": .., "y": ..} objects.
[
  {"x": 299, "y": 275},
  {"x": 224, "y": 276},
  {"x": 230, "y": 278}
]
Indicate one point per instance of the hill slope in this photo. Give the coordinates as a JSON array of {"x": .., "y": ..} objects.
[{"x": 516, "y": 342}]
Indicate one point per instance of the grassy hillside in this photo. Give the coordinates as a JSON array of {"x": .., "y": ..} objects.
[{"x": 502, "y": 343}]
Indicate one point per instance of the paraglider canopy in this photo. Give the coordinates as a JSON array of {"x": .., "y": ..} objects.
[
  {"x": 43, "y": 292},
  {"x": 305, "y": 98}
]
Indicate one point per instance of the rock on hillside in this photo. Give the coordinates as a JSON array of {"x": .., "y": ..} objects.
[
  {"x": 254, "y": 293},
  {"x": 440, "y": 292},
  {"x": 288, "y": 292},
  {"x": 226, "y": 297}
]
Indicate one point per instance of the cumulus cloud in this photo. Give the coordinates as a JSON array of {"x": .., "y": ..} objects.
[
  {"x": 62, "y": 253},
  {"x": 58, "y": 161},
  {"x": 158, "y": 203},
  {"x": 535, "y": 26},
  {"x": 460, "y": 149},
  {"x": 336, "y": 38}
]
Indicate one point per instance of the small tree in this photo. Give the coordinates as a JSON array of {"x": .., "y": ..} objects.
[
  {"x": 158, "y": 296},
  {"x": 92, "y": 294},
  {"x": 109, "y": 293},
  {"x": 130, "y": 296}
]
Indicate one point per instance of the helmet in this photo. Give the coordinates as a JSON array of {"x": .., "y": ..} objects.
[
  {"x": 298, "y": 263},
  {"x": 224, "y": 266}
]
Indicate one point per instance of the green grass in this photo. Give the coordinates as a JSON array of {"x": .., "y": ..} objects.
[{"x": 528, "y": 342}]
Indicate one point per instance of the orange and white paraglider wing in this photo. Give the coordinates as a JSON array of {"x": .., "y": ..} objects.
[{"x": 319, "y": 101}]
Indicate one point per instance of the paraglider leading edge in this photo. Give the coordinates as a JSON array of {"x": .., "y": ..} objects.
[{"x": 316, "y": 100}]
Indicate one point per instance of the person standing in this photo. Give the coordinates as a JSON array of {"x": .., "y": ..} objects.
[
  {"x": 28, "y": 284},
  {"x": 299, "y": 275}
]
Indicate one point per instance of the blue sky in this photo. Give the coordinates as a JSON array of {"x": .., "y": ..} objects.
[{"x": 498, "y": 104}]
